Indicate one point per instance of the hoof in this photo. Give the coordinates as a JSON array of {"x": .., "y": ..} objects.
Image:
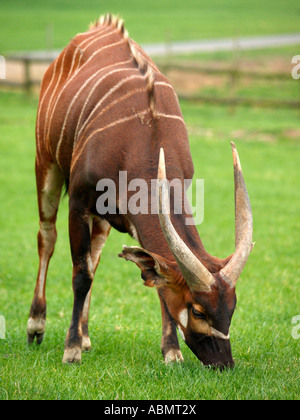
[
  {"x": 31, "y": 337},
  {"x": 35, "y": 329},
  {"x": 86, "y": 343},
  {"x": 173, "y": 356},
  {"x": 72, "y": 355}
]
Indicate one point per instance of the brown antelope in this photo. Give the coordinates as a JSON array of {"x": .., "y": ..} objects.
[{"x": 104, "y": 108}]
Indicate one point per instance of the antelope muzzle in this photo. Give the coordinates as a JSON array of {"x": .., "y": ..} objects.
[{"x": 212, "y": 351}]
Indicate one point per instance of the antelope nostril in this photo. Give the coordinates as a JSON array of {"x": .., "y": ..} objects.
[{"x": 220, "y": 365}]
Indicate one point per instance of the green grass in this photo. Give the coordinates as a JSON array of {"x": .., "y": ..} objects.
[
  {"x": 268, "y": 61},
  {"x": 23, "y": 24},
  {"x": 125, "y": 325}
]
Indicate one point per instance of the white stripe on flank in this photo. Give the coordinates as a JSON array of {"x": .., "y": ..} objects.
[
  {"x": 78, "y": 49},
  {"x": 92, "y": 34},
  {"x": 108, "y": 107},
  {"x": 72, "y": 77},
  {"x": 110, "y": 92},
  {"x": 97, "y": 38},
  {"x": 52, "y": 98},
  {"x": 170, "y": 87},
  {"x": 164, "y": 84},
  {"x": 175, "y": 117},
  {"x": 99, "y": 130},
  {"x": 81, "y": 49},
  {"x": 55, "y": 88},
  {"x": 89, "y": 96},
  {"x": 41, "y": 104},
  {"x": 79, "y": 92},
  {"x": 73, "y": 60}
]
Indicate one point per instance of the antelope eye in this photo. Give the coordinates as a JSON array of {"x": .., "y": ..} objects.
[{"x": 198, "y": 315}]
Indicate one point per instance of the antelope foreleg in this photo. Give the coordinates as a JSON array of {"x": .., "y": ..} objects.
[
  {"x": 100, "y": 232},
  {"x": 83, "y": 273},
  {"x": 169, "y": 342}
]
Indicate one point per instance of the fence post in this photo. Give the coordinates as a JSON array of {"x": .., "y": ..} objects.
[
  {"x": 2, "y": 67},
  {"x": 234, "y": 74},
  {"x": 27, "y": 81}
]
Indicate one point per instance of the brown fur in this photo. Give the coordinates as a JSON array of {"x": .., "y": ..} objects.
[{"x": 105, "y": 107}]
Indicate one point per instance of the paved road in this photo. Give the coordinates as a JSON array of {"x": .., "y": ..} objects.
[
  {"x": 187, "y": 47},
  {"x": 226, "y": 44}
]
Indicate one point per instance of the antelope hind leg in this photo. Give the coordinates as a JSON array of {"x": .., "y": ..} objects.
[{"x": 49, "y": 186}]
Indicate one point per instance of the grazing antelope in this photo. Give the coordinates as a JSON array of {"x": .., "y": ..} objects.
[{"x": 104, "y": 108}]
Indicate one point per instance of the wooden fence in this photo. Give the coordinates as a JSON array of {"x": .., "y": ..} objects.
[
  {"x": 26, "y": 60},
  {"x": 234, "y": 74}
]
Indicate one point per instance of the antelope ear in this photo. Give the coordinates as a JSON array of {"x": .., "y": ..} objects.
[{"x": 156, "y": 270}]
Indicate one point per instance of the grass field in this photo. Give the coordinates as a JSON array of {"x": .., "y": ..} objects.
[
  {"x": 125, "y": 362},
  {"x": 125, "y": 325},
  {"x": 32, "y": 24}
]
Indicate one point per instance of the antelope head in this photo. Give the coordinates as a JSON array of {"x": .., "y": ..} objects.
[{"x": 199, "y": 302}]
